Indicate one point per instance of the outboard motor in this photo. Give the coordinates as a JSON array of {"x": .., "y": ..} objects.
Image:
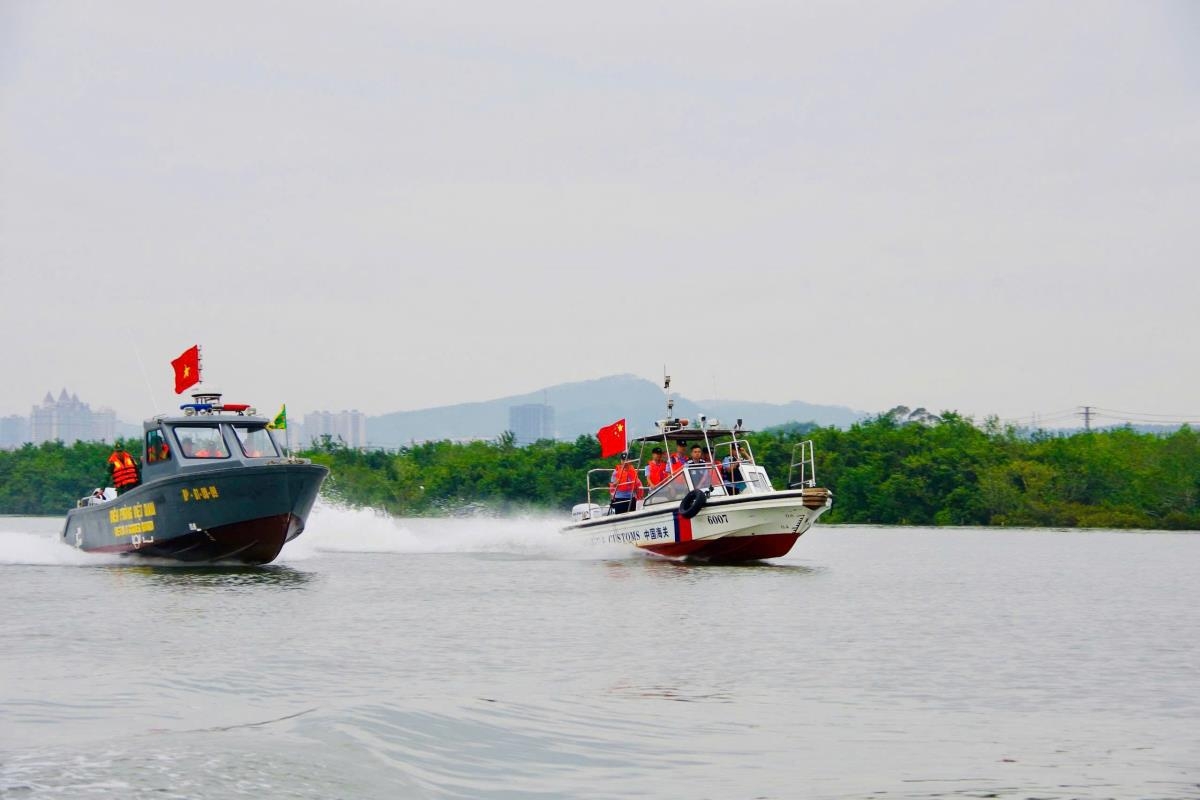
[{"x": 583, "y": 511}]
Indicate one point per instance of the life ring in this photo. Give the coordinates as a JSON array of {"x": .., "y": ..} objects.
[{"x": 692, "y": 502}]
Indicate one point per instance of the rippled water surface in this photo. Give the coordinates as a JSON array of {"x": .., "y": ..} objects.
[{"x": 483, "y": 658}]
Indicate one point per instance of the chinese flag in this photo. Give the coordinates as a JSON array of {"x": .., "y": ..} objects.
[
  {"x": 612, "y": 439},
  {"x": 187, "y": 368}
]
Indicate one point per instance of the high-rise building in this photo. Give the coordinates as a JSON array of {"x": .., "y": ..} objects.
[
  {"x": 14, "y": 431},
  {"x": 531, "y": 422},
  {"x": 347, "y": 427},
  {"x": 68, "y": 419}
]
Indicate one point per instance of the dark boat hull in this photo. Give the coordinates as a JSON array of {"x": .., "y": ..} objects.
[{"x": 241, "y": 514}]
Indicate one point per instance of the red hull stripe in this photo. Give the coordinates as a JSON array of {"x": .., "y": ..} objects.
[{"x": 683, "y": 528}]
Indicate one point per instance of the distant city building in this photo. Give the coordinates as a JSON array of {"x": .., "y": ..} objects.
[
  {"x": 68, "y": 419},
  {"x": 531, "y": 422},
  {"x": 14, "y": 431},
  {"x": 348, "y": 427}
]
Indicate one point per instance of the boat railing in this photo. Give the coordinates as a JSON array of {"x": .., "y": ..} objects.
[
  {"x": 735, "y": 450},
  {"x": 803, "y": 471},
  {"x": 735, "y": 460},
  {"x": 599, "y": 494}
]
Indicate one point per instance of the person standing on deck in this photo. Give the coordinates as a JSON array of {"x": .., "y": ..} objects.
[
  {"x": 123, "y": 469},
  {"x": 657, "y": 470},
  {"x": 679, "y": 457},
  {"x": 731, "y": 471},
  {"x": 625, "y": 487}
]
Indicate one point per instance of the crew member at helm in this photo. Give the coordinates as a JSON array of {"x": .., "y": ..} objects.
[{"x": 123, "y": 469}]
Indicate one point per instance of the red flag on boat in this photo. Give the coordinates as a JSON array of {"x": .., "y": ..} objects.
[
  {"x": 612, "y": 439},
  {"x": 187, "y": 369}
]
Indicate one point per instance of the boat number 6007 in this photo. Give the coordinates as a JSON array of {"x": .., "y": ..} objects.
[{"x": 718, "y": 519}]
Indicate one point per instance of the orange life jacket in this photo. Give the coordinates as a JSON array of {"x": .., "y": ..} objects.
[
  {"x": 625, "y": 480},
  {"x": 124, "y": 470},
  {"x": 657, "y": 472}
]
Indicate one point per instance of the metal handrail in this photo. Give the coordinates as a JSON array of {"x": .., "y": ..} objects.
[
  {"x": 603, "y": 478},
  {"x": 805, "y": 464}
]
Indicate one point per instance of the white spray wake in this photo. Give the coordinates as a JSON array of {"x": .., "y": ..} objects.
[
  {"x": 330, "y": 529},
  {"x": 340, "y": 530},
  {"x": 35, "y": 543}
]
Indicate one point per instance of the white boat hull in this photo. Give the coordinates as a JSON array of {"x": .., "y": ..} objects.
[{"x": 747, "y": 527}]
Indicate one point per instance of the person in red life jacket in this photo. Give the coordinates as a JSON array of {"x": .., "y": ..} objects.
[
  {"x": 679, "y": 457},
  {"x": 123, "y": 469},
  {"x": 625, "y": 487},
  {"x": 657, "y": 470}
]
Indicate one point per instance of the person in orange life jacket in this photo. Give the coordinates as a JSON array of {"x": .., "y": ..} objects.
[
  {"x": 625, "y": 487},
  {"x": 679, "y": 457},
  {"x": 123, "y": 469},
  {"x": 657, "y": 470},
  {"x": 213, "y": 449}
]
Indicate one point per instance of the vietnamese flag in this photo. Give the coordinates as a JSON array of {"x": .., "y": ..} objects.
[
  {"x": 612, "y": 439},
  {"x": 187, "y": 368}
]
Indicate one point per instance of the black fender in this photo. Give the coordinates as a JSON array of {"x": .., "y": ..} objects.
[{"x": 692, "y": 502}]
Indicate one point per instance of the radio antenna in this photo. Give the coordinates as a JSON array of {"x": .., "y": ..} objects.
[{"x": 667, "y": 389}]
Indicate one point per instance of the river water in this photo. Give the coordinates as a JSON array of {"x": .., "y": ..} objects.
[{"x": 483, "y": 658}]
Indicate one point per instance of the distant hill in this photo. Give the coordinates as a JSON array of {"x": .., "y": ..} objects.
[{"x": 581, "y": 408}]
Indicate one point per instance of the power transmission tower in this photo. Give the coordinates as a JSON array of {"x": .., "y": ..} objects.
[{"x": 1086, "y": 413}]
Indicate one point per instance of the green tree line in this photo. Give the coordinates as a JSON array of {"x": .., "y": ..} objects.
[
  {"x": 49, "y": 478},
  {"x": 881, "y": 471},
  {"x": 951, "y": 472}
]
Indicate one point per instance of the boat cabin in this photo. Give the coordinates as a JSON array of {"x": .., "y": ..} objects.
[{"x": 209, "y": 434}]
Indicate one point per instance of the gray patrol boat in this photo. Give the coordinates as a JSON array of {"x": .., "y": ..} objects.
[{"x": 215, "y": 486}]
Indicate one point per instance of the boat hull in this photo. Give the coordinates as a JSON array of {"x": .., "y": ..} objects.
[
  {"x": 726, "y": 530},
  {"x": 242, "y": 514}
]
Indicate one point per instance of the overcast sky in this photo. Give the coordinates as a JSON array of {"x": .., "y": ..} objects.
[{"x": 989, "y": 207}]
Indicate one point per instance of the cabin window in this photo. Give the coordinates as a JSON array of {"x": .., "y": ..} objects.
[
  {"x": 255, "y": 442},
  {"x": 201, "y": 441},
  {"x": 157, "y": 448},
  {"x": 756, "y": 479}
]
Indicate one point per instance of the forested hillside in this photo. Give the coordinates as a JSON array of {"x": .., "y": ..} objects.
[{"x": 948, "y": 472}]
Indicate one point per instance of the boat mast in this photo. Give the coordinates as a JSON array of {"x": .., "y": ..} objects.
[{"x": 667, "y": 389}]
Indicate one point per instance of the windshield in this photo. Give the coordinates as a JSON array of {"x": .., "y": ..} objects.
[
  {"x": 201, "y": 441},
  {"x": 256, "y": 442},
  {"x": 671, "y": 490}
]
